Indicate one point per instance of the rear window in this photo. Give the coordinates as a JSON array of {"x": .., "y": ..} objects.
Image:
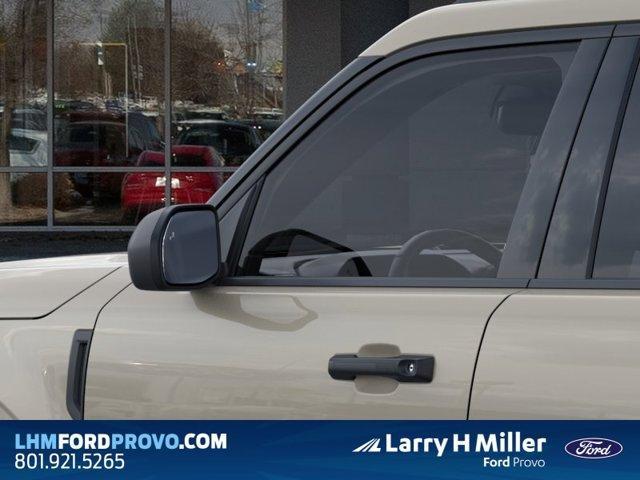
[
  {"x": 188, "y": 161},
  {"x": 229, "y": 141},
  {"x": 21, "y": 144}
]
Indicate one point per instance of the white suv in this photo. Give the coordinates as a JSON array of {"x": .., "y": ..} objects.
[{"x": 450, "y": 228}]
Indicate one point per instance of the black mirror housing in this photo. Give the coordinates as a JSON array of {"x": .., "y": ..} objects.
[{"x": 176, "y": 248}]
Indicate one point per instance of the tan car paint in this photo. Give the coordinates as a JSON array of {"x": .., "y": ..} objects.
[
  {"x": 262, "y": 352},
  {"x": 561, "y": 354},
  {"x": 501, "y": 16},
  {"x": 35, "y": 288},
  {"x": 34, "y": 354}
]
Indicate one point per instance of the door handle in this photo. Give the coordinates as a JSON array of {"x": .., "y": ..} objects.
[{"x": 403, "y": 368}]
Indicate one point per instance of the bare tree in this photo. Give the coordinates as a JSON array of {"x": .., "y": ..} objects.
[
  {"x": 196, "y": 60},
  {"x": 138, "y": 27},
  {"x": 23, "y": 51},
  {"x": 75, "y": 67},
  {"x": 259, "y": 48}
]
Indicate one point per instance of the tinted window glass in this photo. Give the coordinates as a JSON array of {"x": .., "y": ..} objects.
[
  {"x": 419, "y": 174},
  {"x": 618, "y": 250},
  {"x": 22, "y": 144}
]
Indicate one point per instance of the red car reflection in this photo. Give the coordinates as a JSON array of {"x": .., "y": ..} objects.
[{"x": 143, "y": 192}]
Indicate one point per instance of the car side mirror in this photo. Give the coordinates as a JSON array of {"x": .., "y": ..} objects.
[{"x": 176, "y": 248}]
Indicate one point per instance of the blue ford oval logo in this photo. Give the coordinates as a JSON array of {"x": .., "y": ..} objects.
[{"x": 593, "y": 448}]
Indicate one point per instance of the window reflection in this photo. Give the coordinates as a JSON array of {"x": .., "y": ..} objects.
[
  {"x": 194, "y": 187},
  {"x": 23, "y": 95},
  {"x": 226, "y": 75},
  {"x": 27, "y": 199},
  {"x": 108, "y": 103},
  {"x": 104, "y": 139},
  {"x": 234, "y": 141},
  {"x": 418, "y": 174},
  {"x": 89, "y": 199},
  {"x": 109, "y": 81},
  {"x": 143, "y": 192}
]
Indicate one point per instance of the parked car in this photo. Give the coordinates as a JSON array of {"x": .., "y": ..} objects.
[
  {"x": 201, "y": 114},
  {"x": 27, "y": 148},
  {"x": 268, "y": 114},
  {"x": 450, "y": 229},
  {"x": 29, "y": 119},
  {"x": 28, "y": 138},
  {"x": 143, "y": 192},
  {"x": 235, "y": 141},
  {"x": 264, "y": 127},
  {"x": 102, "y": 139}
]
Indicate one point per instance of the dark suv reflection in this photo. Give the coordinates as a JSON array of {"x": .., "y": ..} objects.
[{"x": 235, "y": 141}]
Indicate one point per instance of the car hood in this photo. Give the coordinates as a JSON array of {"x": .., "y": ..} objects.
[{"x": 35, "y": 288}]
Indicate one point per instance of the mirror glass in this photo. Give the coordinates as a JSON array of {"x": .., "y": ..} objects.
[{"x": 190, "y": 251}]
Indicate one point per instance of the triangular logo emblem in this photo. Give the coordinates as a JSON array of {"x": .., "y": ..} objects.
[{"x": 372, "y": 445}]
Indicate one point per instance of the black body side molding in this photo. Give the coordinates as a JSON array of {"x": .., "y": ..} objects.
[{"x": 77, "y": 373}]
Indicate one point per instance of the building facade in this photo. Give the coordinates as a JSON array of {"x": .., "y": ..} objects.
[{"x": 110, "y": 109}]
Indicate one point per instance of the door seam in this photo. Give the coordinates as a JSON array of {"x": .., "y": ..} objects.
[{"x": 484, "y": 331}]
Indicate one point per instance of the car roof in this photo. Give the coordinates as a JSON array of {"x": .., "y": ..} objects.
[
  {"x": 158, "y": 157},
  {"x": 203, "y": 122},
  {"x": 494, "y": 16}
]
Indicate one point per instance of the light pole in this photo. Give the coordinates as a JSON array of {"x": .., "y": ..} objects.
[{"x": 126, "y": 82}]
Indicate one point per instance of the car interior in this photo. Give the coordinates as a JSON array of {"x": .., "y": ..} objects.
[{"x": 422, "y": 148}]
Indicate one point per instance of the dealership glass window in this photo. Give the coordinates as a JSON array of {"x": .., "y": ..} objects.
[
  {"x": 91, "y": 198},
  {"x": 226, "y": 70},
  {"x": 27, "y": 199},
  {"x": 103, "y": 157},
  {"x": 23, "y": 83},
  {"x": 419, "y": 174},
  {"x": 109, "y": 81},
  {"x": 618, "y": 249},
  {"x": 109, "y": 94},
  {"x": 194, "y": 187},
  {"x": 23, "y": 111}
]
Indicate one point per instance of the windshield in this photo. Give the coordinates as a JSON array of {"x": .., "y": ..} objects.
[{"x": 235, "y": 143}]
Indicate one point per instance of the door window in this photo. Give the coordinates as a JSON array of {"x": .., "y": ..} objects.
[
  {"x": 417, "y": 175},
  {"x": 618, "y": 249}
]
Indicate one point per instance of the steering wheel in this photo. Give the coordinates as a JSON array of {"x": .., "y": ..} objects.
[{"x": 450, "y": 238}]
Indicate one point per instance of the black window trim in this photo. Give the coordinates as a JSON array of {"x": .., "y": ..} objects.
[
  {"x": 588, "y": 282},
  {"x": 404, "y": 282},
  {"x": 242, "y": 228},
  {"x": 350, "y": 80},
  {"x": 540, "y": 192},
  {"x": 627, "y": 29},
  {"x": 613, "y": 149}
]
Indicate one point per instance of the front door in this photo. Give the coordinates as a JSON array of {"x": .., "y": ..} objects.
[{"x": 387, "y": 236}]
